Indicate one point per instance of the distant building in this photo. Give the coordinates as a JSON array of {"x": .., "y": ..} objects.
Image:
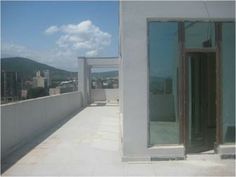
[
  {"x": 28, "y": 84},
  {"x": 104, "y": 83},
  {"x": 54, "y": 91},
  {"x": 24, "y": 94},
  {"x": 115, "y": 83},
  {"x": 38, "y": 81},
  {"x": 47, "y": 78},
  {"x": 96, "y": 83},
  {"x": 68, "y": 86},
  {"x": 10, "y": 86}
]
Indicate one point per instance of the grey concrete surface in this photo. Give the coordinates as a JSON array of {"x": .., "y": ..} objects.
[
  {"x": 134, "y": 16},
  {"x": 24, "y": 120},
  {"x": 89, "y": 145}
]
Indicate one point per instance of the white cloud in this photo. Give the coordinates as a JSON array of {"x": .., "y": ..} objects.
[
  {"x": 16, "y": 50},
  {"x": 91, "y": 53},
  {"x": 84, "y": 26},
  {"x": 51, "y": 30},
  {"x": 84, "y": 38}
]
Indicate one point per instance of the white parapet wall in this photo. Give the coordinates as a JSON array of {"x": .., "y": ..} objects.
[
  {"x": 227, "y": 150},
  {"x": 109, "y": 95},
  {"x": 22, "y": 121}
]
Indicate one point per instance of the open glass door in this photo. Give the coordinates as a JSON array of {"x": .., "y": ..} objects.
[{"x": 201, "y": 116}]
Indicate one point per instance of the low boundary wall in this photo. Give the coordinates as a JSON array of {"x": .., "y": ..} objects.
[
  {"x": 109, "y": 95},
  {"x": 24, "y": 120}
]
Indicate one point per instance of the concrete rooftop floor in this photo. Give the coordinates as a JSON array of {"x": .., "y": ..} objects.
[{"x": 89, "y": 145}]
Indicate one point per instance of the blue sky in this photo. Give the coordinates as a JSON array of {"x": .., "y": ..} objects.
[{"x": 57, "y": 32}]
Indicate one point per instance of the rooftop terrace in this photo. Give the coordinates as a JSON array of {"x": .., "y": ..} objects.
[{"x": 89, "y": 144}]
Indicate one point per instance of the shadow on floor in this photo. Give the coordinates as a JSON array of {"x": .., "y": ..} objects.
[
  {"x": 98, "y": 104},
  {"x": 102, "y": 103},
  {"x": 30, "y": 144}
]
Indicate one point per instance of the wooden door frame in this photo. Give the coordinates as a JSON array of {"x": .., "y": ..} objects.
[{"x": 185, "y": 94}]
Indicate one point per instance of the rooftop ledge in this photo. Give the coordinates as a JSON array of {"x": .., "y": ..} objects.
[{"x": 38, "y": 98}]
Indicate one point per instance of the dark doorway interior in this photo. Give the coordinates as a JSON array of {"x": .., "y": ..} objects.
[{"x": 202, "y": 101}]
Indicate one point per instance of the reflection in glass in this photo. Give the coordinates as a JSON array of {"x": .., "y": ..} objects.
[
  {"x": 163, "y": 58},
  {"x": 199, "y": 34},
  {"x": 228, "y": 81}
]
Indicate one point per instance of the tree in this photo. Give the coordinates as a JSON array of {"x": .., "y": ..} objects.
[{"x": 37, "y": 92}]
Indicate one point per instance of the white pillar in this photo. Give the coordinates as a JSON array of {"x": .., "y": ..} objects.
[
  {"x": 82, "y": 79},
  {"x": 89, "y": 83}
]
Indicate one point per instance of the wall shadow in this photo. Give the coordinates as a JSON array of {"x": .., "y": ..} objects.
[{"x": 21, "y": 151}]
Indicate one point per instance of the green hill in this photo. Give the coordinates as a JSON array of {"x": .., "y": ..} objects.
[
  {"x": 105, "y": 74},
  {"x": 28, "y": 68}
]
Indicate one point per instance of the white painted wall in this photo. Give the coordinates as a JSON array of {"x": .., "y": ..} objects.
[
  {"x": 22, "y": 121},
  {"x": 109, "y": 95},
  {"x": 134, "y": 76}
]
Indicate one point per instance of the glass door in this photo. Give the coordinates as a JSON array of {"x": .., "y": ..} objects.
[
  {"x": 163, "y": 57},
  {"x": 201, "y": 101}
]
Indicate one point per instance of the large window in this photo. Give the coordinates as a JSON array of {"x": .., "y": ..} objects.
[
  {"x": 163, "y": 68},
  {"x": 163, "y": 57},
  {"x": 228, "y": 81},
  {"x": 199, "y": 34}
]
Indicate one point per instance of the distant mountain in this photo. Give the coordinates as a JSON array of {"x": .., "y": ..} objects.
[
  {"x": 105, "y": 74},
  {"x": 28, "y": 68}
]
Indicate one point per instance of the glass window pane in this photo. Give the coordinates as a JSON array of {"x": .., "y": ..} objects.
[
  {"x": 228, "y": 81},
  {"x": 163, "y": 64},
  {"x": 199, "y": 34}
]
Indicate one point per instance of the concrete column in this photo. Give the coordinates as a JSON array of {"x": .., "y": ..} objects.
[
  {"x": 120, "y": 74},
  {"x": 82, "y": 79},
  {"x": 89, "y": 84}
]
